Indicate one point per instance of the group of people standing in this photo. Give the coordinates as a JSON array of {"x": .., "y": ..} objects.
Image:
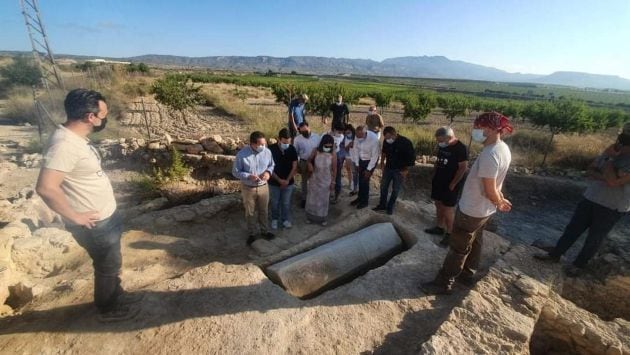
[
  {"x": 73, "y": 184},
  {"x": 268, "y": 175}
]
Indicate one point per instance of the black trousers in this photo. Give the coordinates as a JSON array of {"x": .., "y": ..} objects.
[
  {"x": 364, "y": 183},
  {"x": 599, "y": 221}
]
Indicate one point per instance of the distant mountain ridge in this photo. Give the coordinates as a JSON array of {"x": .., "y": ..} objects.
[{"x": 437, "y": 67}]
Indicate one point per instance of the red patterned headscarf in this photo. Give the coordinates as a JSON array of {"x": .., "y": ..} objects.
[{"x": 494, "y": 120}]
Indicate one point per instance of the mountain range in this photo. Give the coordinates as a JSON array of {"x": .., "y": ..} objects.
[{"x": 438, "y": 67}]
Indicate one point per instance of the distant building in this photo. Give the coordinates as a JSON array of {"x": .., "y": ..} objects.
[{"x": 104, "y": 61}]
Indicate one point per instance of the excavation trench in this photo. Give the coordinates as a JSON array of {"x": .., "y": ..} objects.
[{"x": 310, "y": 273}]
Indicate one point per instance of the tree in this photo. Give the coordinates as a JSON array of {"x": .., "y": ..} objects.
[
  {"x": 418, "y": 107},
  {"x": 560, "y": 116},
  {"x": 21, "y": 72},
  {"x": 382, "y": 99},
  {"x": 177, "y": 94},
  {"x": 454, "y": 106}
]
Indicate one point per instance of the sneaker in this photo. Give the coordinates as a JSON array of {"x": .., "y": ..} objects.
[
  {"x": 268, "y": 235},
  {"x": 251, "y": 239},
  {"x": 354, "y": 202},
  {"x": 274, "y": 224},
  {"x": 126, "y": 298},
  {"x": 324, "y": 223},
  {"x": 436, "y": 288},
  {"x": 435, "y": 230},
  {"x": 466, "y": 280},
  {"x": 547, "y": 257},
  {"x": 287, "y": 224},
  {"x": 445, "y": 239},
  {"x": 353, "y": 192},
  {"x": 118, "y": 314},
  {"x": 379, "y": 208}
]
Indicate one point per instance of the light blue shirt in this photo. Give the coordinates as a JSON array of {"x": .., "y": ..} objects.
[
  {"x": 298, "y": 113},
  {"x": 249, "y": 162}
]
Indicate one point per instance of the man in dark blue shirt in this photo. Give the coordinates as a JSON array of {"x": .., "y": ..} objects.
[
  {"x": 281, "y": 184},
  {"x": 340, "y": 113},
  {"x": 297, "y": 113},
  {"x": 398, "y": 155}
]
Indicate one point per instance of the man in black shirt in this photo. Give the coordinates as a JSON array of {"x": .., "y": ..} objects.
[
  {"x": 398, "y": 155},
  {"x": 281, "y": 183},
  {"x": 448, "y": 177},
  {"x": 340, "y": 113}
]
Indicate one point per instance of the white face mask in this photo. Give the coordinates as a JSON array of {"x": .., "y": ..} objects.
[
  {"x": 327, "y": 149},
  {"x": 260, "y": 148},
  {"x": 443, "y": 144},
  {"x": 371, "y": 112},
  {"x": 477, "y": 135},
  {"x": 390, "y": 140}
]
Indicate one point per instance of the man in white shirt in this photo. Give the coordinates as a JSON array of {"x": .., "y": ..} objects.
[
  {"x": 73, "y": 184},
  {"x": 305, "y": 143},
  {"x": 481, "y": 198},
  {"x": 367, "y": 152}
]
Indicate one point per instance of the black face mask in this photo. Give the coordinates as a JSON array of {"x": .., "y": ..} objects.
[
  {"x": 306, "y": 134},
  {"x": 623, "y": 139},
  {"x": 101, "y": 127}
]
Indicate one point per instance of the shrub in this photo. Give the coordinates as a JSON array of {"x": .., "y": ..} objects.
[{"x": 21, "y": 72}]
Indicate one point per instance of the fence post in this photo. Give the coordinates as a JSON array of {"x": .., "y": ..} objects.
[{"x": 146, "y": 120}]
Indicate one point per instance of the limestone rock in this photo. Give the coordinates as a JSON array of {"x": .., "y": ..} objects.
[
  {"x": 212, "y": 146},
  {"x": 48, "y": 252},
  {"x": 194, "y": 148}
]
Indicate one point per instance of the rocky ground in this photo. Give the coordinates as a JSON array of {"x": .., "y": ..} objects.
[{"x": 206, "y": 291}]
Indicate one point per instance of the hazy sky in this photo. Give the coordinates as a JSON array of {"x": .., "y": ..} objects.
[{"x": 532, "y": 36}]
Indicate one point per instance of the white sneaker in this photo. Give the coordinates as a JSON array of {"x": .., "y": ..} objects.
[
  {"x": 287, "y": 224},
  {"x": 274, "y": 224}
]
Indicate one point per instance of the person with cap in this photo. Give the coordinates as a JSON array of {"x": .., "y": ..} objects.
[
  {"x": 366, "y": 155},
  {"x": 448, "y": 176},
  {"x": 374, "y": 121},
  {"x": 305, "y": 144},
  {"x": 297, "y": 113},
  {"x": 481, "y": 198},
  {"x": 340, "y": 113},
  {"x": 281, "y": 184},
  {"x": 396, "y": 158},
  {"x": 254, "y": 166},
  {"x": 605, "y": 201},
  {"x": 73, "y": 184}
]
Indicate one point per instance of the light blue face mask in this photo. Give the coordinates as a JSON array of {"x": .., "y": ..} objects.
[
  {"x": 349, "y": 136},
  {"x": 443, "y": 144},
  {"x": 284, "y": 146},
  {"x": 260, "y": 148},
  {"x": 477, "y": 135}
]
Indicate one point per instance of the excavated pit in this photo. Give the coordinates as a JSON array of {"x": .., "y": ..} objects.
[{"x": 310, "y": 273}]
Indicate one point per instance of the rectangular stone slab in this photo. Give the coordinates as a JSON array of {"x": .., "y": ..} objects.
[{"x": 313, "y": 271}]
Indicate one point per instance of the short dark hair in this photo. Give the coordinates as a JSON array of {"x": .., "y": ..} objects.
[
  {"x": 255, "y": 136},
  {"x": 284, "y": 133},
  {"x": 80, "y": 102},
  {"x": 302, "y": 124},
  {"x": 339, "y": 127},
  {"x": 326, "y": 139},
  {"x": 389, "y": 130}
]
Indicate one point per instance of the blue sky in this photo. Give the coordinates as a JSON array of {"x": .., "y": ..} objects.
[{"x": 532, "y": 36}]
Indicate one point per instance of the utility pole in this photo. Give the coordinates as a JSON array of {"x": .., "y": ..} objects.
[{"x": 39, "y": 42}]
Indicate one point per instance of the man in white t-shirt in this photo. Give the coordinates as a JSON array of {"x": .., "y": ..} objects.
[
  {"x": 73, "y": 184},
  {"x": 481, "y": 198},
  {"x": 305, "y": 143}
]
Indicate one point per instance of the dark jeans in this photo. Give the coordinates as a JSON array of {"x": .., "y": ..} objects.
[
  {"x": 465, "y": 245},
  {"x": 340, "y": 160},
  {"x": 281, "y": 202},
  {"x": 364, "y": 183},
  {"x": 389, "y": 176},
  {"x": 599, "y": 221},
  {"x": 103, "y": 245}
]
